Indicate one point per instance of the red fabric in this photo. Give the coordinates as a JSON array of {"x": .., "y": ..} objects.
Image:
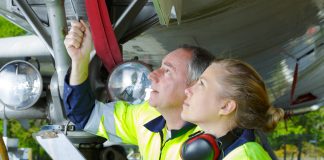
[
  {"x": 292, "y": 94},
  {"x": 294, "y": 84},
  {"x": 103, "y": 35}
]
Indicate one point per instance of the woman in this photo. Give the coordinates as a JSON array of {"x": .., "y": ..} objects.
[{"x": 229, "y": 100}]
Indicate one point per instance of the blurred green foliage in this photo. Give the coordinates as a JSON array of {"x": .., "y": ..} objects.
[
  {"x": 8, "y": 29},
  {"x": 15, "y": 130},
  {"x": 306, "y": 130}
]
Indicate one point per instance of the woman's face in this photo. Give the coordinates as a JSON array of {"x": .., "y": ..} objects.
[{"x": 204, "y": 98}]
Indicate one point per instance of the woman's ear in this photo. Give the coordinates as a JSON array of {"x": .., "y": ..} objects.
[{"x": 228, "y": 108}]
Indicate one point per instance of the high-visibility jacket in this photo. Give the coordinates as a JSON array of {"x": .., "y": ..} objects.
[
  {"x": 139, "y": 125},
  {"x": 248, "y": 151},
  {"x": 121, "y": 122}
]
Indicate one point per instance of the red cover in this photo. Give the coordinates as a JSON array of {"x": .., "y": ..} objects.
[{"x": 103, "y": 35}]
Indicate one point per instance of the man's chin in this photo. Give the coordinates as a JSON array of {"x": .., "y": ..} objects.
[{"x": 152, "y": 103}]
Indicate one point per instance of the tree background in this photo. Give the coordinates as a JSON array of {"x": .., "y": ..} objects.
[
  {"x": 8, "y": 29},
  {"x": 15, "y": 129},
  {"x": 304, "y": 136}
]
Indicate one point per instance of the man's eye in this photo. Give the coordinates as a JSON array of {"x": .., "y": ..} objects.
[{"x": 200, "y": 82}]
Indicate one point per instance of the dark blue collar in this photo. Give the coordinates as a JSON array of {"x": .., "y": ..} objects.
[
  {"x": 246, "y": 136},
  {"x": 156, "y": 125}
]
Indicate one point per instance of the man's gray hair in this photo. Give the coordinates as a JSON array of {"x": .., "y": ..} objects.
[{"x": 200, "y": 60}]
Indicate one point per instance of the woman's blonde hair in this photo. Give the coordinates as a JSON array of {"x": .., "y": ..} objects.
[{"x": 245, "y": 86}]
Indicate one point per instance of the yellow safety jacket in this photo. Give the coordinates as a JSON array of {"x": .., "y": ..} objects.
[{"x": 139, "y": 125}]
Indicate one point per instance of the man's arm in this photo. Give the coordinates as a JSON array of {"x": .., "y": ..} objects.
[
  {"x": 78, "y": 97},
  {"x": 79, "y": 102},
  {"x": 115, "y": 122},
  {"x": 78, "y": 43}
]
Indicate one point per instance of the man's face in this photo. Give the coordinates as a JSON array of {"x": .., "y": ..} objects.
[{"x": 170, "y": 80}]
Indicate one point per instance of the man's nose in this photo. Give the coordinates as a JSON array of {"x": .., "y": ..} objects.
[
  {"x": 154, "y": 76},
  {"x": 188, "y": 91}
]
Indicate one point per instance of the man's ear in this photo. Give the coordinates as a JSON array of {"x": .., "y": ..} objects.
[{"x": 228, "y": 108}]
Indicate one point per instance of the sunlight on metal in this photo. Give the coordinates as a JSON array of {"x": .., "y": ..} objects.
[
  {"x": 20, "y": 84},
  {"x": 129, "y": 81},
  {"x": 286, "y": 71},
  {"x": 314, "y": 107}
]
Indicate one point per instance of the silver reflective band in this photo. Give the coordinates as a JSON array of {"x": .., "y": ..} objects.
[{"x": 106, "y": 110}]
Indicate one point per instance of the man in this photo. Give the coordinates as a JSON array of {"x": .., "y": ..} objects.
[{"x": 155, "y": 126}]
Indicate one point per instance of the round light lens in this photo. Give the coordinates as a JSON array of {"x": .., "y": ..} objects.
[
  {"x": 129, "y": 81},
  {"x": 20, "y": 85}
]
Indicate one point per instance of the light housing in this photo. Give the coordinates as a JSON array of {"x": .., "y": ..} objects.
[
  {"x": 21, "y": 85},
  {"x": 129, "y": 82}
]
